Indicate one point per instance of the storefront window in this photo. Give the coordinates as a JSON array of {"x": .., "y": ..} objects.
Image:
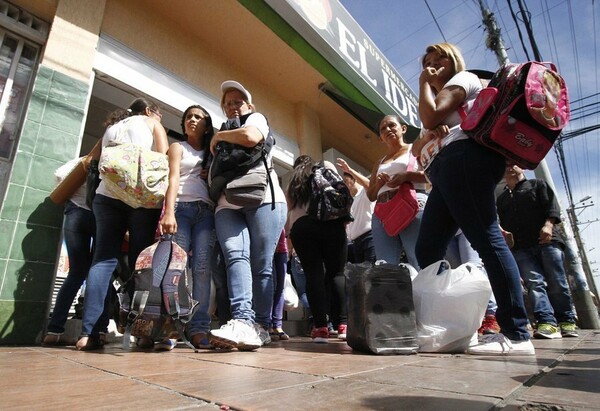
[{"x": 17, "y": 60}]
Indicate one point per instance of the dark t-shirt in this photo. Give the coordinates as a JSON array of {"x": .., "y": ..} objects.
[{"x": 524, "y": 210}]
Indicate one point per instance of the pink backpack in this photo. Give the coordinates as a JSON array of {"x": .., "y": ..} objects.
[{"x": 521, "y": 113}]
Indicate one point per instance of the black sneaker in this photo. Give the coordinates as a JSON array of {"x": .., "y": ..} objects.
[{"x": 568, "y": 330}]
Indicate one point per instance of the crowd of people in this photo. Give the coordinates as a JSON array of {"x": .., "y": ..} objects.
[{"x": 245, "y": 247}]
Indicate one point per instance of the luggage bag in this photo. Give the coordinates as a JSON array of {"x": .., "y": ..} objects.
[{"x": 381, "y": 313}]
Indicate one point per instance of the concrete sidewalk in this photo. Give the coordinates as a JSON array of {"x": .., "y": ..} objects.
[{"x": 300, "y": 375}]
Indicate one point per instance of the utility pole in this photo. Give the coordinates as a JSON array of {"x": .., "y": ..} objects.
[{"x": 588, "y": 314}]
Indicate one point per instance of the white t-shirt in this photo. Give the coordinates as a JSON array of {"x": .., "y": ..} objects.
[
  {"x": 472, "y": 86},
  {"x": 362, "y": 211},
  {"x": 259, "y": 121},
  {"x": 191, "y": 186}
]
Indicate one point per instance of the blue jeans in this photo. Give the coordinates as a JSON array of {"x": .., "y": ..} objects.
[
  {"x": 113, "y": 219},
  {"x": 219, "y": 276},
  {"x": 390, "y": 248},
  {"x": 541, "y": 265},
  {"x": 248, "y": 238},
  {"x": 363, "y": 248},
  {"x": 79, "y": 230},
  {"x": 279, "y": 271},
  {"x": 299, "y": 281},
  {"x": 460, "y": 252},
  {"x": 196, "y": 233},
  {"x": 464, "y": 176}
]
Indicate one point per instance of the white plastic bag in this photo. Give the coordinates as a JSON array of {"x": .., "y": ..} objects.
[
  {"x": 449, "y": 305},
  {"x": 290, "y": 296}
]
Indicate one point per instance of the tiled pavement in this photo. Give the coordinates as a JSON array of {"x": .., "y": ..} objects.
[{"x": 300, "y": 375}]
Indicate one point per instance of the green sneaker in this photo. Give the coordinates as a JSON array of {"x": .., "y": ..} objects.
[
  {"x": 546, "y": 330},
  {"x": 568, "y": 330}
]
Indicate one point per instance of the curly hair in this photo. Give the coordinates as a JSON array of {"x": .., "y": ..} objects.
[
  {"x": 298, "y": 190},
  {"x": 137, "y": 107}
]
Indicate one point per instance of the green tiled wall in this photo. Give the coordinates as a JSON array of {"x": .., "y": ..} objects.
[{"x": 30, "y": 224}]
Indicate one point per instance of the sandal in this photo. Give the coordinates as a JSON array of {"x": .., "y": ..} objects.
[
  {"x": 54, "y": 340},
  {"x": 89, "y": 343},
  {"x": 200, "y": 342}
]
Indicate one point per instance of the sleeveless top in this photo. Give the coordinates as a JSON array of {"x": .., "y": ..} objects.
[{"x": 191, "y": 186}]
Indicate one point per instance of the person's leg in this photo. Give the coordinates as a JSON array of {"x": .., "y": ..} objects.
[
  {"x": 436, "y": 231},
  {"x": 364, "y": 248},
  {"x": 79, "y": 229},
  {"x": 387, "y": 248},
  {"x": 409, "y": 236},
  {"x": 279, "y": 271},
  {"x": 556, "y": 278},
  {"x": 111, "y": 224},
  {"x": 530, "y": 266},
  {"x": 306, "y": 238},
  {"x": 219, "y": 276},
  {"x": 334, "y": 258},
  {"x": 264, "y": 226},
  {"x": 233, "y": 235},
  {"x": 299, "y": 281},
  {"x": 468, "y": 192},
  {"x": 195, "y": 232}
]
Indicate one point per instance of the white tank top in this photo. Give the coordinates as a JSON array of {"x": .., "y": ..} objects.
[{"x": 191, "y": 186}]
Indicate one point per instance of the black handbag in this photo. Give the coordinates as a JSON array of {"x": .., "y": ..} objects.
[{"x": 92, "y": 181}]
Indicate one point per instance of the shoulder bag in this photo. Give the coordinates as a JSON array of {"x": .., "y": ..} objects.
[{"x": 396, "y": 214}]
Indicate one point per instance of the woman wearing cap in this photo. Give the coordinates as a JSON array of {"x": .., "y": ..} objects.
[
  {"x": 247, "y": 235},
  {"x": 386, "y": 177},
  {"x": 464, "y": 175}
]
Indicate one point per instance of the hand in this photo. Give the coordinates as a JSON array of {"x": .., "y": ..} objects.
[
  {"x": 204, "y": 173},
  {"x": 383, "y": 179},
  {"x": 341, "y": 163},
  {"x": 168, "y": 224},
  {"x": 397, "y": 180},
  {"x": 429, "y": 74},
  {"x": 213, "y": 142},
  {"x": 545, "y": 234}
]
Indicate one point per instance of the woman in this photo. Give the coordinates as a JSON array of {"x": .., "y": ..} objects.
[
  {"x": 247, "y": 235},
  {"x": 189, "y": 212},
  {"x": 387, "y": 175},
  {"x": 79, "y": 231},
  {"x": 279, "y": 271},
  {"x": 322, "y": 249},
  {"x": 464, "y": 175},
  {"x": 139, "y": 124}
]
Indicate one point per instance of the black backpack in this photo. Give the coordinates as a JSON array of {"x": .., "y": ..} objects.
[
  {"x": 233, "y": 160},
  {"x": 330, "y": 199},
  {"x": 162, "y": 302}
]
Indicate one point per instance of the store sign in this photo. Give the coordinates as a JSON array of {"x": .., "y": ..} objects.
[{"x": 332, "y": 31}]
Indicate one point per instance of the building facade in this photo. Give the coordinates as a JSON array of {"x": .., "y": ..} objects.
[{"x": 66, "y": 64}]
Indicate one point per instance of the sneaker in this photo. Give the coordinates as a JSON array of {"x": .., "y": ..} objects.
[
  {"x": 498, "y": 344},
  {"x": 165, "y": 345},
  {"x": 342, "y": 331},
  {"x": 236, "y": 334},
  {"x": 568, "y": 330},
  {"x": 546, "y": 330},
  {"x": 489, "y": 325},
  {"x": 320, "y": 335},
  {"x": 265, "y": 337}
]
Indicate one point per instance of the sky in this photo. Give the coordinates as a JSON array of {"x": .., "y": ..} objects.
[{"x": 565, "y": 33}]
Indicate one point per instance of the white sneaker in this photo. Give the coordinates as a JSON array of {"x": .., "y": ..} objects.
[
  {"x": 236, "y": 334},
  {"x": 263, "y": 334},
  {"x": 498, "y": 344}
]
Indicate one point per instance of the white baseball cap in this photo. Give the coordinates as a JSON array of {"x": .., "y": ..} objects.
[{"x": 234, "y": 84}]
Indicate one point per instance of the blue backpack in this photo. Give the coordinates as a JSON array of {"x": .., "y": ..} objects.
[{"x": 330, "y": 199}]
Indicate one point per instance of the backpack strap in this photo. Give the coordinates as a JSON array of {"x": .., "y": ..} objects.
[{"x": 136, "y": 309}]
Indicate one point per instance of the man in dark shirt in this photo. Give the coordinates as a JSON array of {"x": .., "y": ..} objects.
[{"x": 529, "y": 210}]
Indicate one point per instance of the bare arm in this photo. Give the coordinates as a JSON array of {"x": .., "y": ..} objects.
[
  {"x": 168, "y": 223},
  {"x": 248, "y": 136},
  {"x": 362, "y": 180},
  {"x": 433, "y": 110},
  {"x": 376, "y": 182},
  {"x": 161, "y": 142}
]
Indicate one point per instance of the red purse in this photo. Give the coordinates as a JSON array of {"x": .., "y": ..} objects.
[{"x": 395, "y": 215}]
